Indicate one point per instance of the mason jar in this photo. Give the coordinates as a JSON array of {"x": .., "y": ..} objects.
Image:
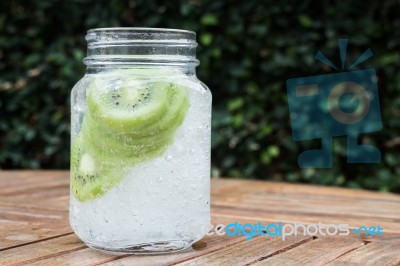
[{"x": 140, "y": 142}]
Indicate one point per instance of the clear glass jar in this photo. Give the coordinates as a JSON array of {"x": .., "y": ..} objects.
[{"x": 140, "y": 143}]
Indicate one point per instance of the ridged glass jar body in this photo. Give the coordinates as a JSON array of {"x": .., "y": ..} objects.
[{"x": 140, "y": 143}]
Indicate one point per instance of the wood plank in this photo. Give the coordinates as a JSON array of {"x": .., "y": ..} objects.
[
  {"x": 243, "y": 187},
  {"x": 14, "y": 181},
  {"x": 83, "y": 257},
  {"x": 370, "y": 255},
  {"x": 309, "y": 199},
  {"x": 21, "y": 225},
  {"x": 391, "y": 229},
  {"x": 12, "y": 235},
  {"x": 355, "y": 208},
  {"x": 41, "y": 250},
  {"x": 45, "y": 189},
  {"x": 248, "y": 252},
  {"x": 23, "y": 213},
  {"x": 313, "y": 253},
  {"x": 50, "y": 199},
  {"x": 38, "y": 186}
]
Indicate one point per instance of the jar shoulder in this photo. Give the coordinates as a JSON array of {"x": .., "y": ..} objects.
[
  {"x": 189, "y": 80},
  {"x": 82, "y": 83},
  {"x": 202, "y": 85}
]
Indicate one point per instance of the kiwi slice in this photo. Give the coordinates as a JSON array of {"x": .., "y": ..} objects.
[
  {"x": 130, "y": 122},
  {"x": 132, "y": 105},
  {"x": 90, "y": 177},
  {"x": 178, "y": 103},
  {"x": 105, "y": 144},
  {"x": 150, "y": 140}
]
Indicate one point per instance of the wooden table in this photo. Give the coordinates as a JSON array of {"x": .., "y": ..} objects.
[{"x": 34, "y": 225}]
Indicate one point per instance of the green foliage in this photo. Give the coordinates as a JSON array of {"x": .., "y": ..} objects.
[{"x": 248, "y": 49}]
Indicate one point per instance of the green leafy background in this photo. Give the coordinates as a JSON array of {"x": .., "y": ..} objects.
[{"x": 247, "y": 49}]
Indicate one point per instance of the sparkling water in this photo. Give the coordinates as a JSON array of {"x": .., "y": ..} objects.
[{"x": 163, "y": 203}]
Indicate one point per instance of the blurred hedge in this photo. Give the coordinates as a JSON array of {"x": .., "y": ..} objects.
[{"x": 247, "y": 50}]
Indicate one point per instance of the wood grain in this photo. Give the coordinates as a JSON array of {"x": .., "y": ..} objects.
[
  {"x": 247, "y": 252},
  {"x": 371, "y": 254},
  {"x": 34, "y": 227},
  {"x": 314, "y": 253},
  {"x": 80, "y": 257},
  {"x": 40, "y": 250},
  {"x": 12, "y": 235}
]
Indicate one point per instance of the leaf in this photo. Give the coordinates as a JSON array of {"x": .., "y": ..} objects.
[
  {"x": 235, "y": 104},
  {"x": 206, "y": 38},
  {"x": 209, "y": 20},
  {"x": 305, "y": 20}
]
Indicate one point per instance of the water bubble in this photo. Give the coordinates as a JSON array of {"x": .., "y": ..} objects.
[{"x": 168, "y": 157}]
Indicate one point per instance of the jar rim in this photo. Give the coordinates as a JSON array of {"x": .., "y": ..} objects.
[
  {"x": 104, "y": 36},
  {"x": 136, "y": 45},
  {"x": 141, "y": 29}
]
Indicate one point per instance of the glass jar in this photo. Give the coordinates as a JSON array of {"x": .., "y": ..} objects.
[{"x": 140, "y": 142}]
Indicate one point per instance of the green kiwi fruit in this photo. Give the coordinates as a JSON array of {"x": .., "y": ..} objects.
[
  {"x": 131, "y": 106},
  {"x": 154, "y": 138},
  {"x": 105, "y": 145},
  {"x": 178, "y": 103},
  {"x": 90, "y": 177},
  {"x": 131, "y": 122}
]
